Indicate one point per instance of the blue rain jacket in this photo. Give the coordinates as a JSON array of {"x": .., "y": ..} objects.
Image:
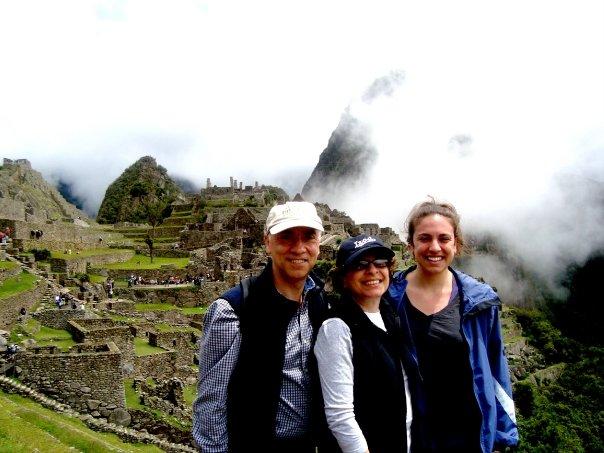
[{"x": 481, "y": 329}]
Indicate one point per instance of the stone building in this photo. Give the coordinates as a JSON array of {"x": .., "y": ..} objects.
[
  {"x": 88, "y": 377},
  {"x": 105, "y": 329}
]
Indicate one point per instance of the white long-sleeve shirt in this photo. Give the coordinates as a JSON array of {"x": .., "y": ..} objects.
[{"x": 333, "y": 350}]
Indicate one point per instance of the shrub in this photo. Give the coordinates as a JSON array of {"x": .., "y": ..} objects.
[
  {"x": 82, "y": 277},
  {"x": 41, "y": 255},
  {"x": 323, "y": 267}
]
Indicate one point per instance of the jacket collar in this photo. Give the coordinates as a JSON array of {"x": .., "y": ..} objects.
[{"x": 475, "y": 296}]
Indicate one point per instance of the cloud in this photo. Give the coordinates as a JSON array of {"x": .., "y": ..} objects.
[{"x": 500, "y": 109}]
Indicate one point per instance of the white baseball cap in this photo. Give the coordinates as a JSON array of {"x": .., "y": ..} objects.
[{"x": 292, "y": 214}]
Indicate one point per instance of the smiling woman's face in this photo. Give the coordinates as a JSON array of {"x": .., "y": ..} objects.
[
  {"x": 434, "y": 245},
  {"x": 368, "y": 283}
]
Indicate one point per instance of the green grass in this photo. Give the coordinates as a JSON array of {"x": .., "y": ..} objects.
[
  {"x": 7, "y": 265},
  {"x": 26, "y": 426},
  {"x": 44, "y": 336},
  {"x": 142, "y": 347},
  {"x": 133, "y": 400},
  {"x": 163, "y": 327},
  {"x": 144, "y": 262},
  {"x": 194, "y": 310},
  {"x": 190, "y": 393},
  {"x": 95, "y": 278},
  {"x": 85, "y": 253},
  {"x": 127, "y": 319},
  {"x": 16, "y": 285},
  {"x": 155, "y": 307}
]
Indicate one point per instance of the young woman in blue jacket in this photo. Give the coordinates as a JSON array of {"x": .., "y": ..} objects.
[{"x": 452, "y": 332}]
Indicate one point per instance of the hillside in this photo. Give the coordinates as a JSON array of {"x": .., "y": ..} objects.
[
  {"x": 25, "y": 195},
  {"x": 345, "y": 163},
  {"x": 25, "y": 424},
  {"x": 142, "y": 184}
]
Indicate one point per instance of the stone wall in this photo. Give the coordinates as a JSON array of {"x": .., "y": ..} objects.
[
  {"x": 157, "y": 274},
  {"x": 80, "y": 264},
  {"x": 12, "y": 209},
  {"x": 105, "y": 329},
  {"x": 61, "y": 235},
  {"x": 195, "y": 239},
  {"x": 166, "y": 396},
  {"x": 9, "y": 272},
  {"x": 89, "y": 379},
  {"x": 182, "y": 342},
  {"x": 180, "y": 297},
  {"x": 158, "y": 366},
  {"x": 115, "y": 305},
  {"x": 11, "y": 306},
  {"x": 59, "y": 318}
]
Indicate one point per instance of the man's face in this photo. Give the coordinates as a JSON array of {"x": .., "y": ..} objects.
[{"x": 294, "y": 252}]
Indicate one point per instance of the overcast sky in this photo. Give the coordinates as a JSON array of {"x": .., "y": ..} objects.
[{"x": 498, "y": 99}]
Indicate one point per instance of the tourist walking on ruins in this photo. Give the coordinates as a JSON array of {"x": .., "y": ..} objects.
[
  {"x": 255, "y": 371},
  {"x": 451, "y": 325},
  {"x": 360, "y": 354}
]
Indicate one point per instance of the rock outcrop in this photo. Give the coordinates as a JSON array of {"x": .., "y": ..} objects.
[{"x": 26, "y": 196}]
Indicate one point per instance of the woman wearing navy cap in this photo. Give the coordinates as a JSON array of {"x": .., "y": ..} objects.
[
  {"x": 358, "y": 350},
  {"x": 450, "y": 324}
]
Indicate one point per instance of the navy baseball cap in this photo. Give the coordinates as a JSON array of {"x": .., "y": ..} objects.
[{"x": 353, "y": 248}]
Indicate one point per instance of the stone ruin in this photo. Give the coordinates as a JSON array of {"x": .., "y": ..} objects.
[
  {"x": 166, "y": 396},
  {"x": 88, "y": 377},
  {"x": 226, "y": 245}
]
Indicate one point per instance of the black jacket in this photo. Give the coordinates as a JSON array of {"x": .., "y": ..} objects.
[
  {"x": 379, "y": 390},
  {"x": 254, "y": 388}
]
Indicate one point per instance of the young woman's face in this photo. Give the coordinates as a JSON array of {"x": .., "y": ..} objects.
[
  {"x": 366, "y": 279},
  {"x": 434, "y": 245}
]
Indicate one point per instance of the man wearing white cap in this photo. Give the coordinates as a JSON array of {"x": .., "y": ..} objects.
[{"x": 256, "y": 372}]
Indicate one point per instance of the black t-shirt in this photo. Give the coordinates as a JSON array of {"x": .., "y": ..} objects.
[{"x": 453, "y": 414}]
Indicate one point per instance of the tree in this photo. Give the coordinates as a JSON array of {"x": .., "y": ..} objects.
[{"x": 156, "y": 210}]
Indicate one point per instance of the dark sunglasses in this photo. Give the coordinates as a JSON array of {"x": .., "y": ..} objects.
[{"x": 362, "y": 265}]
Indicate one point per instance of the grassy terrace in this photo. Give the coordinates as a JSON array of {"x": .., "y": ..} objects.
[
  {"x": 26, "y": 426},
  {"x": 86, "y": 253},
  {"x": 167, "y": 307},
  {"x": 17, "y": 284},
  {"x": 142, "y": 347},
  {"x": 7, "y": 265},
  {"x": 144, "y": 262},
  {"x": 190, "y": 393},
  {"x": 44, "y": 336}
]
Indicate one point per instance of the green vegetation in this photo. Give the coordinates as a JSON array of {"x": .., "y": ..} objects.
[
  {"x": 194, "y": 310},
  {"x": 142, "y": 347},
  {"x": 564, "y": 414},
  {"x": 140, "y": 185},
  {"x": 163, "y": 327},
  {"x": 85, "y": 253},
  {"x": 190, "y": 393},
  {"x": 17, "y": 284},
  {"x": 126, "y": 319},
  {"x": 26, "y": 426},
  {"x": 323, "y": 267},
  {"x": 40, "y": 255},
  {"x": 155, "y": 307},
  {"x": 133, "y": 399},
  {"x": 144, "y": 262},
  {"x": 95, "y": 278},
  {"x": 44, "y": 336},
  {"x": 8, "y": 265}
]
